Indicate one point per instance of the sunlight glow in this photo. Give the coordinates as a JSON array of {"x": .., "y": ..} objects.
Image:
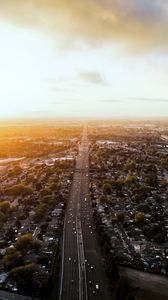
[
  {"x": 42, "y": 76},
  {"x": 24, "y": 59}
]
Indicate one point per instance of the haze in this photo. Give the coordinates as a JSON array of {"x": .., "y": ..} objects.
[{"x": 83, "y": 58}]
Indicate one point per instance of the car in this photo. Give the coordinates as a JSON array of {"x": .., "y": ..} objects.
[
  {"x": 69, "y": 258},
  {"x": 91, "y": 267},
  {"x": 97, "y": 287}
]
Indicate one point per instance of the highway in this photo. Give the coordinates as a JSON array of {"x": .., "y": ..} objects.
[{"x": 82, "y": 273}]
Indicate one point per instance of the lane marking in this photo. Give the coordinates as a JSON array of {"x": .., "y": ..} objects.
[
  {"x": 81, "y": 260},
  {"x": 62, "y": 265},
  {"x": 79, "y": 239},
  {"x": 79, "y": 266}
]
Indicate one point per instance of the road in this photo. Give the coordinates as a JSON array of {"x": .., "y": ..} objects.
[{"x": 82, "y": 267}]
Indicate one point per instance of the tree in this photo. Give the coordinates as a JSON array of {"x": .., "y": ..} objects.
[
  {"x": 10, "y": 250},
  {"x": 4, "y": 206},
  {"x": 26, "y": 242},
  {"x": 144, "y": 207},
  {"x": 107, "y": 188},
  {"x": 19, "y": 189},
  {"x": 136, "y": 198},
  {"x": 120, "y": 216},
  {"x": 164, "y": 162},
  {"x": 53, "y": 186},
  {"x": 49, "y": 200},
  {"x": 41, "y": 210},
  {"x": 36, "y": 245},
  {"x": 117, "y": 183},
  {"x": 38, "y": 186},
  {"x": 151, "y": 180},
  {"x": 15, "y": 171},
  {"x": 142, "y": 191},
  {"x": 130, "y": 165},
  {"x": 24, "y": 276},
  {"x": 45, "y": 192},
  {"x": 130, "y": 180},
  {"x": 12, "y": 260},
  {"x": 2, "y": 217},
  {"x": 23, "y": 242},
  {"x": 139, "y": 218}
]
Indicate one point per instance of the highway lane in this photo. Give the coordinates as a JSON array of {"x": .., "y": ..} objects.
[
  {"x": 94, "y": 267},
  {"x": 82, "y": 267},
  {"x": 70, "y": 276}
]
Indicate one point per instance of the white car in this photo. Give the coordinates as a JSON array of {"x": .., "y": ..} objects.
[{"x": 97, "y": 287}]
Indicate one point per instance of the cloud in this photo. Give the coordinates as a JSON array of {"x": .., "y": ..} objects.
[
  {"x": 92, "y": 77},
  {"x": 110, "y": 100},
  {"x": 60, "y": 89},
  {"x": 150, "y": 99},
  {"x": 140, "y": 24},
  {"x": 64, "y": 101}
]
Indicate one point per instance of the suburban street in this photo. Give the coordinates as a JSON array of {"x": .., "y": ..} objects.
[{"x": 82, "y": 275}]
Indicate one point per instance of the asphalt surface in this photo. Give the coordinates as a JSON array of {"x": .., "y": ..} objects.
[{"x": 82, "y": 268}]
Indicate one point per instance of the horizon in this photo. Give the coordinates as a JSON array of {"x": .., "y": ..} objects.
[{"x": 80, "y": 119}]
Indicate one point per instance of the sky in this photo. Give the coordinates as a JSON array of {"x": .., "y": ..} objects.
[{"x": 83, "y": 59}]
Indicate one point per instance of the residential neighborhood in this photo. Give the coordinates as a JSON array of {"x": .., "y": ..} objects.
[
  {"x": 34, "y": 190},
  {"x": 125, "y": 183},
  {"x": 129, "y": 196}
]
